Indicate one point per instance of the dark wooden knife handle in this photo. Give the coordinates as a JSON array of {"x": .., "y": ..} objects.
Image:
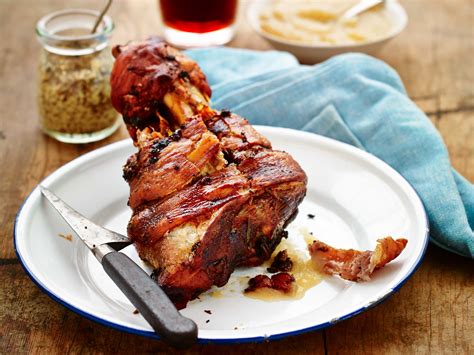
[{"x": 153, "y": 304}]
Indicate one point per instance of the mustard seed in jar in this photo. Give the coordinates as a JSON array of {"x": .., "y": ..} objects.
[{"x": 73, "y": 81}]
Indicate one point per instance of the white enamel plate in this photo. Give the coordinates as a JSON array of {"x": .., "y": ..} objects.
[{"x": 355, "y": 198}]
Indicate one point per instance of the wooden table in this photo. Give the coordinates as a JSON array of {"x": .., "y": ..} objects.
[{"x": 432, "y": 313}]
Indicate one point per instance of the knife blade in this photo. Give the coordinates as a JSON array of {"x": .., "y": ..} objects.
[{"x": 144, "y": 293}]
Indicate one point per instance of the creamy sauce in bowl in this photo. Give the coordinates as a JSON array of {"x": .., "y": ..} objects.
[{"x": 317, "y": 22}]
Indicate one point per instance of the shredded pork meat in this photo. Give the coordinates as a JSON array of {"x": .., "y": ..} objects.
[{"x": 355, "y": 265}]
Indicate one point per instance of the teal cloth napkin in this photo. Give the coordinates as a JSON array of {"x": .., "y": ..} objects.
[{"x": 358, "y": 100}]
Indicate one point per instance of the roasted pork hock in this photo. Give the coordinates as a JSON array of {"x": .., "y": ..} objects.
[{"x": 208, "y": 192}]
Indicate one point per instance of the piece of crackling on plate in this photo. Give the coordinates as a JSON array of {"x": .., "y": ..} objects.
[
  {"x": 355, "y": 265},
  {"x": 282, "y": 282}
]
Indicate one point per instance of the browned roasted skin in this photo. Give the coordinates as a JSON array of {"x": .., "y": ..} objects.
[
  {"x": 173, "y": 161},
  {"x": 281, "y": 262},
  {"x": 355, "y": 265},
  {"x": 282, "y": 282},
  {"x": 207, "y": 191},
  {"x": 144, "y": 73}
]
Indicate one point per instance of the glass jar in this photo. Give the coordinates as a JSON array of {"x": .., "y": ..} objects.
[{"x": 74, "y": 70}]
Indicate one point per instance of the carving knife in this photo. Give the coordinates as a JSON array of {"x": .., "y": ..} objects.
[{"x": 144, "y": 293}]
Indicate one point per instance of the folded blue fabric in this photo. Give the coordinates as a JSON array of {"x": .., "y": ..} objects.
[{"x": 358, "y": 100}]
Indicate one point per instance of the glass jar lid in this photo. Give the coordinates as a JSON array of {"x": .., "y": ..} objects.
[{"x": 68, "y": 32}]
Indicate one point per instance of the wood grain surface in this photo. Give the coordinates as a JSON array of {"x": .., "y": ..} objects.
[{"x": 432, "y": 313}]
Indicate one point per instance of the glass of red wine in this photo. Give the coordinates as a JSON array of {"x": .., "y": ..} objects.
[{"x": 198, "y": 23}]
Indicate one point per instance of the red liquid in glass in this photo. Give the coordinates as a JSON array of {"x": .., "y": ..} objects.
[{"x": 198, "y": 16}]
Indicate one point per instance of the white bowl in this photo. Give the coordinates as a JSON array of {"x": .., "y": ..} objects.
[{"x": 316, "y": 53}]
